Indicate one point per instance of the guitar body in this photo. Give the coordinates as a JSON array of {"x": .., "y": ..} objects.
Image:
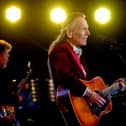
[{"x": 79, "y": 107}]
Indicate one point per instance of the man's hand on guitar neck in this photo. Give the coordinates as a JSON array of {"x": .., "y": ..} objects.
[
  {"x": 122, "y": 83},
  {"x": 94, "y": 98}
]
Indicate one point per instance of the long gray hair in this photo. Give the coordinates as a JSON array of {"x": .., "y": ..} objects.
[{"x": 69, "y": 23}]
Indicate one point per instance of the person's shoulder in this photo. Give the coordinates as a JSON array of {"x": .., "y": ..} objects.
[
  {"x": 61, "y": 49},
  {"x": 63, "y": 46}
]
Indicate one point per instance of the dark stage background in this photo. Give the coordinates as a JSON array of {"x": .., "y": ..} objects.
[{"x": 31, "y": 37}]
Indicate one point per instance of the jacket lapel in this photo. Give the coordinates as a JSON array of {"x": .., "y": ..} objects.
[{"x": 76, "y": 59}]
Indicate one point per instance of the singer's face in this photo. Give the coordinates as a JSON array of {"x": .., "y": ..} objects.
[
  {"x": 80, "y": 32},
  {"x": 4, "y": 58}
]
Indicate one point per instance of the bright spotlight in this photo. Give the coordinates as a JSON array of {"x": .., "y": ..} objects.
[
  {"x": 102, "y": 15},
  {"x": 58, "y": 15},
  {"x": 13, "y": 14}
]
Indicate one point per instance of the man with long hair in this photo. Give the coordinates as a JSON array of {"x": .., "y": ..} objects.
[{"x": 68, "y": 66}]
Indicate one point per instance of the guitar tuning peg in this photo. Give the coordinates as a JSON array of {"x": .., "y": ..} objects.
[{"x": 29, "y": 64}]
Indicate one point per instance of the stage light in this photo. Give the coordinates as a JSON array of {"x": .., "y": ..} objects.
[
  {"x": 58, "y": 15},
  {"x": 102, "y": 15},
  {"x": 13, "y": 14}
]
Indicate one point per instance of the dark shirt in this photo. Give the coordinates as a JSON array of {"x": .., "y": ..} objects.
[{"x": 5, "y": 88}]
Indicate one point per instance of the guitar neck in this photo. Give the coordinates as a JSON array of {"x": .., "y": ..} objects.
[
  {"x": 22, "y": 82},
  {"x": 111, "y": 91}
]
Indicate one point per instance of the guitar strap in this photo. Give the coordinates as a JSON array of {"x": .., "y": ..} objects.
[{"x": 60, "y": 113}]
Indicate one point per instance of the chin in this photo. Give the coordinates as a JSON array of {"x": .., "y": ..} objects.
[{"x": 84, "y": 43}]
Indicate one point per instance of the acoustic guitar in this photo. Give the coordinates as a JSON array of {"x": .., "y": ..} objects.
[{"x": 78, "y": 111}]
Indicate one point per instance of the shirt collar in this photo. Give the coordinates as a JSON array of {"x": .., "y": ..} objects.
[{"x": 77, "y": 50}]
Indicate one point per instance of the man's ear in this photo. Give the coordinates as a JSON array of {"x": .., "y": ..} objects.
[{"x": 69, "y": 33}]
